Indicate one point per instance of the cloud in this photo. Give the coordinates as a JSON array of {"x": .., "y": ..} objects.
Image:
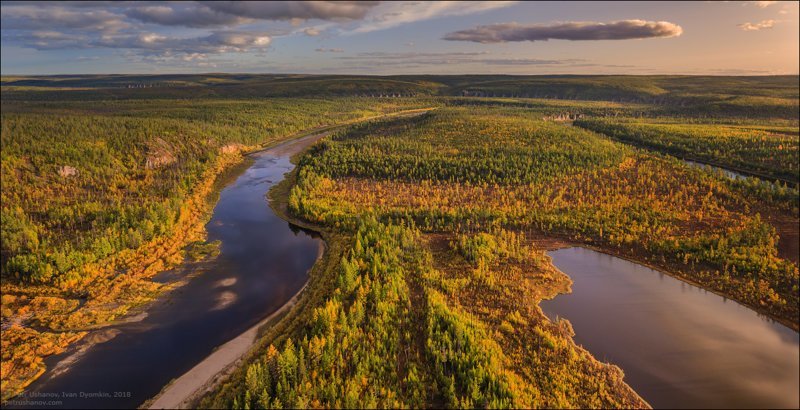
[
  {"x": 150, "y": 43},
  {"x": 164, "y": 48},
  {"x": 383, "y": 55},
  {"x": 288, "y": 10},
  {"x": 392, "y": 14},
  {"x": 184, "y": 14},
  {"x": 311, "y": 31},
  {"x": 617, "y": 30},
  {"x": 49, "y": 40},
  {"x": 77, "y": 14},
  {"x": 734, "y": 71},
  {"x": 763, "y": 24},
  {"x": 763, "y": 4},
  {"x": 27, "y": 17},
  {"x": 419, "y": 59},
  {"x": 153, "y": 43},
  {"x": 329, "y": 50},
  {"x": 525, "y": 61},
  {"x": 407, "y": 59}
]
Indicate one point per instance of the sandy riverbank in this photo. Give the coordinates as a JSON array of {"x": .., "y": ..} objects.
[{"x": 183, "y": 391}]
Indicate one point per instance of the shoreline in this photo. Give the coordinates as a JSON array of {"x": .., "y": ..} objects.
[
  {"x": 554, "y": 243},
  {"x": 210, "y": 195},
  {"x": 225, "y": 359},
  {"x": 205, "y": 375},
  {"x": 277, "y": 199},
  {"x": 219, "y": 364},
  {"x": 702, "y": 161}
]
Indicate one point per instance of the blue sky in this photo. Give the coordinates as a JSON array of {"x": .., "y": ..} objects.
[{"x": 737, "y": 38}]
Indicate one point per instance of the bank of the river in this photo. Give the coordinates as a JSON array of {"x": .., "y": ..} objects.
[
  {"x": 263, "y": 262},
  {"x": 276, "y": 336},
  {"x": 186, "y": 391},
  {"x": 788, "y": 229},
  {"x": 115, "y": 299},
  {"x": 674, "y": 270},
  {"x": 216, "y": 367},
  {"x": 680, "y": 346},
  {"x": 731, "y": 171},
  {"x": 318, "y": 289},
  {"x": 784, "y": 222},
  {"x": 191, "y": 229}
]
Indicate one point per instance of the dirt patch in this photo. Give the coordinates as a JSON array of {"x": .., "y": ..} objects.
[{"x": 788, "y": 238}]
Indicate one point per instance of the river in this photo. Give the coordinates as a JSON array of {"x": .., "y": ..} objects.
[
  {"x": 679, "y": 345},
  {"x": 726, "y": 172},
  {"x": 263, "y": 263}
]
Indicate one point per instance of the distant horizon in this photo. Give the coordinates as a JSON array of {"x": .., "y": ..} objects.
[{"x": 398, "y": 75}]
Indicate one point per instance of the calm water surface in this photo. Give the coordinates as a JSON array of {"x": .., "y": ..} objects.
[
  {"x": 680, "y": 346},
  {"x": 263, "y": 262},
  {"x": 726, "y": 172}
]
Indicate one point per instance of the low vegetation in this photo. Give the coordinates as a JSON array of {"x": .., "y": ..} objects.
[
  {"x": 771, "y": 151},
  {"x": 428, "y": 293},
  {"x": 460, "y": 171},
  {"x": 98, "y": 197},
  {"x": 394, "y": 333},
  {"x": 465, "y": 190}
]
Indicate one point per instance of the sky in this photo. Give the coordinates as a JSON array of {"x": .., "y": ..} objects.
[{"x": 400, "y": 37}]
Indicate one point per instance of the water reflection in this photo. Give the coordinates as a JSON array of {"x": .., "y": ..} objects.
[
  {"x": 297, "y": 229},
  {"x": 263, "y": 262},
  {"x": 679, "y": 345},
  {"x": 726, "y": 172}
]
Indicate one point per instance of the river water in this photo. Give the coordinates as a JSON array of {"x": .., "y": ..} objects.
[
  {"x": 726, "y": 172},
  {"x": 263, "y": 262},
  {"x": 679, "y": 346}
]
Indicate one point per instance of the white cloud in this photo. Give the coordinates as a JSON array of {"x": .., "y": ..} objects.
[
  {"x": 28, "y": 17},
  {"x": 184, "y": 14},
  {"x": 192, "y": 48},
  {"x": 48, "y": 40},
  {"x": 763, "y": 24},
  {"x": 763, "y": 4},
  {"x": 288, "y": 10}
]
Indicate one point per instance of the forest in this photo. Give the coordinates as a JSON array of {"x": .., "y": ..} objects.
[
  {"x": 393, "y": 333},
  {"x": 436, "y": 225},
  {"x": 464, "y": 170},
  {"x": 765, "y": 150},
  {"x": 100, "y": 196},
  {"x": 481, "y": 185}
]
